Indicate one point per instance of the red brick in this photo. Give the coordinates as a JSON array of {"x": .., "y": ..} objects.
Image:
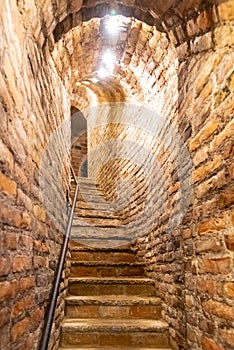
[
  {"x": 40, "y": 246},
  {"x": 232, "y": 218},
  {"x": 39, "y": 213},
  {"x": 7, "y": 185},
  {"x": 231, "y": 171},
  {"x": 229, "y": 240},
  {"x": 226, "y": 198},
  {"x": 201, "y": 155},
  {"x": 214, "y": 224},
  {"x": 26, "y": 283},
  {"x": 207, "y": 286},
  {"x": 206, "y": 169},
  {"x": 228, "y": 336},
  {"x": 26, "y": 242},
  {"x": 5, "y": 266},
  {"x": 211, "y": 244},
  {"x": 204, "y": 21},
  {"x": 23, "y": 305},
  {"x": 23, "y": 200},
  {"x": 204, "y": 134},
  {"x": 10, "y": 216},
  {"x": 8, "y": 289},
  {"x": 229, "y": 289},
  {"x": 26, "y": 221},
  {"x": 10, "y": 241},
  {"x": 4, "y": 317},
  {"x": 40, "y": 261},
  {"x": 218, "y": 309},
  {"x": 22, "y": 263},
  {"x": 216, "y": 266},
  {"x": 226, "y": 10},
  {"x": 209, "y": 344},
  {"x": 20, "y": 328},
  {"x": 36, "y": 317}
]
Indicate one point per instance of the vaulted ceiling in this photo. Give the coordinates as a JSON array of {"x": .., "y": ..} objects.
[{"x": 97, "y": 64}]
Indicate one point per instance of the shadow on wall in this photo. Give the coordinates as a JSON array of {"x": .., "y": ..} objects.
[{"x": 79, "y": 159}]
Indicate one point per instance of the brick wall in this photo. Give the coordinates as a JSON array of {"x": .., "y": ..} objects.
[
  {"x": 193, "y": 265},
  {"x": 33, "y": 102},
  {"x": 186, "y": 76}
]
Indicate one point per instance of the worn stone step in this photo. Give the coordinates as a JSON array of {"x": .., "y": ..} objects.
[
  {"x": 114, "y": 348},
  {"x": 104, "y": 254},
  {"x": 105, "y": 269},
  {"x": 101, "y": 243},
  {"x": 117, "y": 306},
  {"x": 115, "y": 332},
  {"x": 105, "y": 221},
  {"x": 102, "y": 236},
  {"x": 94, "y": 213},
  {"x": 111, "y": 286}
]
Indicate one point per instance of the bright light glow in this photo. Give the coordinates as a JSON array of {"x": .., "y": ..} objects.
[
  {"x": 112, "y": 25},
  {"x": 103, "y": 73},
  {"x": 108, "y": 57},
  {"x": 86, "y": 82},
  {"x": 94, "y": 80}
]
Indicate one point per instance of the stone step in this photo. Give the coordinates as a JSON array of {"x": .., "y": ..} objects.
[
  {"x": 101, "y": 243},
  {"x": 114, "y": 348},
  {"x": 105, "y": 269},
  {"x": 115, "y": 332},
  {"x": 109, "y": 307},
  {"x": 101, "y": 206},
  {"x": 111, "y": 286},
  {"x": 95, "y": 222},
  {"x": 86, "y": 232},
  {"x": 93, "y": 213},
  {"x": 104, "y": 254}
]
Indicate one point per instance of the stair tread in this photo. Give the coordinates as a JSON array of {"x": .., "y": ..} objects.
[
  {"x": 113, "y": 300},
  {"x": 81, "y": 248},
  {"x": 114, "y": 348},
  {"x": 106, "y": 263},
  {"x": 106, "y": 325},
  {"x": 110, "y": 280}
]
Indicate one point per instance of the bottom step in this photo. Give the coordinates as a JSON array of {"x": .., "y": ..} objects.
[{"x": 125, "y": 333}]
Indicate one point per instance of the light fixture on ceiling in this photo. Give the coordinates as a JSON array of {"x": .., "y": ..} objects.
[
  {"x": 112, "y": 24},
  {"x": 108, "y": 58}
]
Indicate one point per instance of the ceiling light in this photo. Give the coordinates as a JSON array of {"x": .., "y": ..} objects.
[
  {"x": 108, "y": 57},
  {"x": 112, "y": 25}
]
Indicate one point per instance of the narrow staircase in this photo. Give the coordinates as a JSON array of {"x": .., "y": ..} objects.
[{"x": 111, "y": 305}]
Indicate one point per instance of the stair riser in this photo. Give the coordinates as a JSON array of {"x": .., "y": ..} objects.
[
  {"x": 103, "y": 256},
  {"x": 118, "y": 339},
  {"x": 105, "y": 311},
  {"x": 110, "y": 289},
  {"x": 106, "y": 271}
]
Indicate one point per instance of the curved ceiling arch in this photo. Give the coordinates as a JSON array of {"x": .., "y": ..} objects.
[{"x": 101, "y": 10}]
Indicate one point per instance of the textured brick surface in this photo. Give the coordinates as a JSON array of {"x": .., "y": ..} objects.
[{"x": 50, "y": 51}]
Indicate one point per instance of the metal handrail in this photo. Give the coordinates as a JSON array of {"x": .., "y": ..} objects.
[{"x": 55, "y": 292}]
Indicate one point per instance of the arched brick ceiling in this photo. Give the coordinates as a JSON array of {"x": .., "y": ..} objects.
[
  {"x": 59, "y": 16},
  {"x": 139, "y": 50},
  {"x": 77, "y": 39}
]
